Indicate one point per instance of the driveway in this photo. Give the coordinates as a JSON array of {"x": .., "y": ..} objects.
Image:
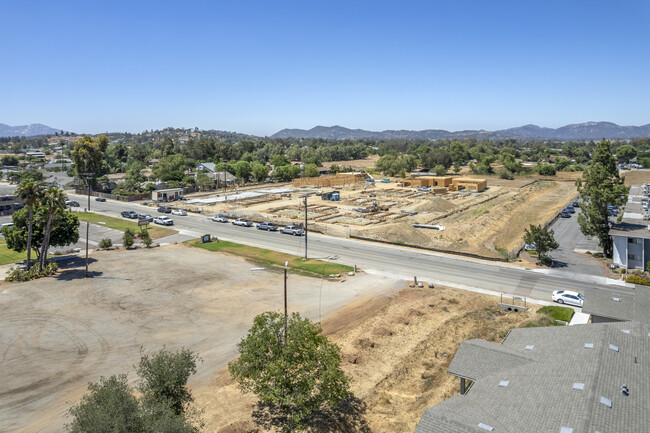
[{"x": 566, "y": 261}]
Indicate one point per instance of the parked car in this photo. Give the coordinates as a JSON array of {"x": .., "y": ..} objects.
[
  {"x": 180, "y": 212},
  {"x": 267, "y": 226},
  {"x": 72, "y": 203},
  {"x": 570, "y": 209},
  {"x": 145, "y": 216},
  {"x": 164, "y": 221},
  {"x": 530, "y": 247},
  {"x": 424, "y": 189},
  {"x": 129, "y": 214},
  {"x": 219, "y": 219},
  {"x": 292, "y": 230},
  {"x": 164, "y": 209},
  {"x": 102, "y": 199},
  {"x": 575, "y": 204},
  {"x": 243, "y": 222},
  {"x": 565, "y": 214},
  {"x": 568, "y": 297}
]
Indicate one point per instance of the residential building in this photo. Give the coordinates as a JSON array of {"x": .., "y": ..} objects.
[
  {"x": 631, "y": 236},
  {"x": 564, "y": 379}
]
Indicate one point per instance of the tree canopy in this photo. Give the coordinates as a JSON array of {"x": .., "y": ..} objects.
[
  {"x": 293, "y": 379},
  {"x": 543, "y": 238}
]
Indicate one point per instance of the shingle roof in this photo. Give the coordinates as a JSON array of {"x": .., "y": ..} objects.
[
  {"x": 495, "y": 358},
  {"x": 634, "y": 305},
  {"x": 540, "y": 395}
]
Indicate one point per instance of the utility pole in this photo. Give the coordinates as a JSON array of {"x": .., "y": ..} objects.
[
  {"x": 305, "y": 202},
  {"x": 87, "y": 177},
  {"x": 286, "y": 320}
]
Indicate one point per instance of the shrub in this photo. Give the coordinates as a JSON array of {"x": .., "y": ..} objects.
[
  {"x": 145, "y": 238},
  {"x": 128, "y": 238},
  {"x": 105, "y": 243},
  {"x": 504, "y": 173},
  {"x": 17, "y": 274},
  {"x": 637, "y": 279}
]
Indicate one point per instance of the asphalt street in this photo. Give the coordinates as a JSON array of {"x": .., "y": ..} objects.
[{"x": 455, "y": 271}]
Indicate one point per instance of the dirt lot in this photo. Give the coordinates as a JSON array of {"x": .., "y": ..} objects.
[
  {"x": 396, "y": 349},
  {"x": 635, "y": 177},
  {"x": 57, "y": 334}
]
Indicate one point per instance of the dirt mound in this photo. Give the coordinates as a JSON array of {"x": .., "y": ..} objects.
[
  {"x": 398, "y": 232},
  {"x": 436, "y": 204},
  {"x": 240, "y": 427}
]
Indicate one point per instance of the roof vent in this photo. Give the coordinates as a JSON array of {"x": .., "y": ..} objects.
[
  {"x": 591, "y": 345},
  {"x": 578, "y": 385},
  {"x": 485, "y": 426},
  {"x": 529, "y": 347},
  {"x": 607, "y": 402},
  {"x": 627, "y": 331},
  {"x": 625, "y": 390},
  {"x": 614, "y": 348},
  {"x": 504, "y": 383},
  {"x": 566, "y": 430},
  {"x": 615, "y": 299}
]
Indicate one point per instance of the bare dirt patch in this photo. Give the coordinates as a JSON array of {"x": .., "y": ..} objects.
[
  {"x": 396, "y": 349},
  {"x": 59, "y": 333}
]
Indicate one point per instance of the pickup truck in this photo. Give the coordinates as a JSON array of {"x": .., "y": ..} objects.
[
  {"x": 242, "y": 222},
  {"x": 292, "y": 230}
]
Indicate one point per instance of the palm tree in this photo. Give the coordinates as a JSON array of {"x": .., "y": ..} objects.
[
  {"x": 54, "y": 202},
  {"x": 30, "y": 191}
]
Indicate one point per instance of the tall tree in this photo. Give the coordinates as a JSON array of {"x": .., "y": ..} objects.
[
  {"x": 294, "y": 376},
  {"x": 30, "y": 192},
  {"x": 544, "y": 240},
  {"x": 88, "y": 156},
  {"x": 600, "y": 186},
  {"x": 54, "y": 201}
]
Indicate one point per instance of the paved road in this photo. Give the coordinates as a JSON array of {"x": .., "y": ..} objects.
[
  {"x": 382, "y": 259},
  {"x": 567, "y": 262}
]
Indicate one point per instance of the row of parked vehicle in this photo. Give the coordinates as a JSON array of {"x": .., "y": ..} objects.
[
  {"x": 268, "y": 226},
  {"x": 162, "y": 220}
]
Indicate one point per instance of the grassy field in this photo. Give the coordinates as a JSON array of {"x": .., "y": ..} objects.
[
  {"x": 550, "y": 316},
  {"x": 8, "y": 256},
  {"x": 274, "y": 259},
  {"x": 122, "y": 224}
]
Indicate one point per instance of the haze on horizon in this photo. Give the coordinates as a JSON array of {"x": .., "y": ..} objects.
[{"x": 258, "y": 67}]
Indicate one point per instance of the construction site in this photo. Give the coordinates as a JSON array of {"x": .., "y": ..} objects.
[{"x": 479, "y": 216}]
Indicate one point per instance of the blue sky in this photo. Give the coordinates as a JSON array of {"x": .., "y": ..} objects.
[{"x": 260, "y": 66}]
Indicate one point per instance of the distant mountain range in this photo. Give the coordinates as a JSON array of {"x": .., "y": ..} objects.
[
  {"x": 26, "y": 130},
  {"x": 579, "y": 131}
]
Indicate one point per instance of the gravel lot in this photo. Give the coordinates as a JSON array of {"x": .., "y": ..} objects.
[{"x": 57, "y": 334}]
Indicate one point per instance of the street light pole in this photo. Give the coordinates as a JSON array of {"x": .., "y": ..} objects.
[
  {"x": 285, "y": 303},
  {"x": 306, "y": 225},
  {"x": 87, "y": 177}
]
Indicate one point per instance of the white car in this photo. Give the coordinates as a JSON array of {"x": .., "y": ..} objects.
[
  {"x": 219, "y": 219},
  {"x": 568, "y": 297},
  {"x": 180, "y": 212},
  {"x": 242, "y": 222},
  {"x": 164, "y": 221}
]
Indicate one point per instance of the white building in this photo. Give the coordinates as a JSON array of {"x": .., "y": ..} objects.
[{"x": 631, "y": 236}]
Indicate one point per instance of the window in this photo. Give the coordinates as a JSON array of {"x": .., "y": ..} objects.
[
  {"x": 634, "y": 241},
  {"x": 635, "y": 257}
]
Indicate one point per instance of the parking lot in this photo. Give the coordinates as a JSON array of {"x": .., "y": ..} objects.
[{"x": 59, "y": 333}]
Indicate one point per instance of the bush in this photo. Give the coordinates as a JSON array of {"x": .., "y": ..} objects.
[
  {"x": 128, "y": 238},
  {"x": 637, "y": 279},
  {"x": 105, "y": 243},
  {"x": 504, "y": 173},
  {"x": 145, "y": 238},
  {"x": 17, "y": 274}
]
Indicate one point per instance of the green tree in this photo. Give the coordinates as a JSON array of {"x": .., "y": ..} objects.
[
  {"x": 164, "y": 376},
  {"x": 440, "y": 170},
  {"x": 543, "y": 238},
  {"x": 285, "y": 173},
  {"x": 279, "y": 160},
  {"x": 260, "y": 171},
  {"x": 625, "y": 153},
  {"x": 128, "y": 238},
  {"x": 546, "y": 169},
  {"x": 54, "y": 201},
  {"x": 311, "y": 170},
  {"x": 9, "y": 160},
  {"x": 145, "y": 237},
  {"x": 243, "y": 170},
  {"x": 293, "y": 376},
  {"x": 31, "y": 175},
  {"x": 88, "y": 156},
  {"x": 30, "y": 192},
  {"x": 204, "y": 182},
  {"x": 600, "y": 186},
  {"x": 110, "y": 407},
  {"x": 171, "y": 168},
  {"x": 459, "y": 153}
]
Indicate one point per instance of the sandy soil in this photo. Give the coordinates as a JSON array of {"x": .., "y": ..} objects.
[
  {"x": 396, "y": 349},
  {"x": 57, "y": 334}
]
